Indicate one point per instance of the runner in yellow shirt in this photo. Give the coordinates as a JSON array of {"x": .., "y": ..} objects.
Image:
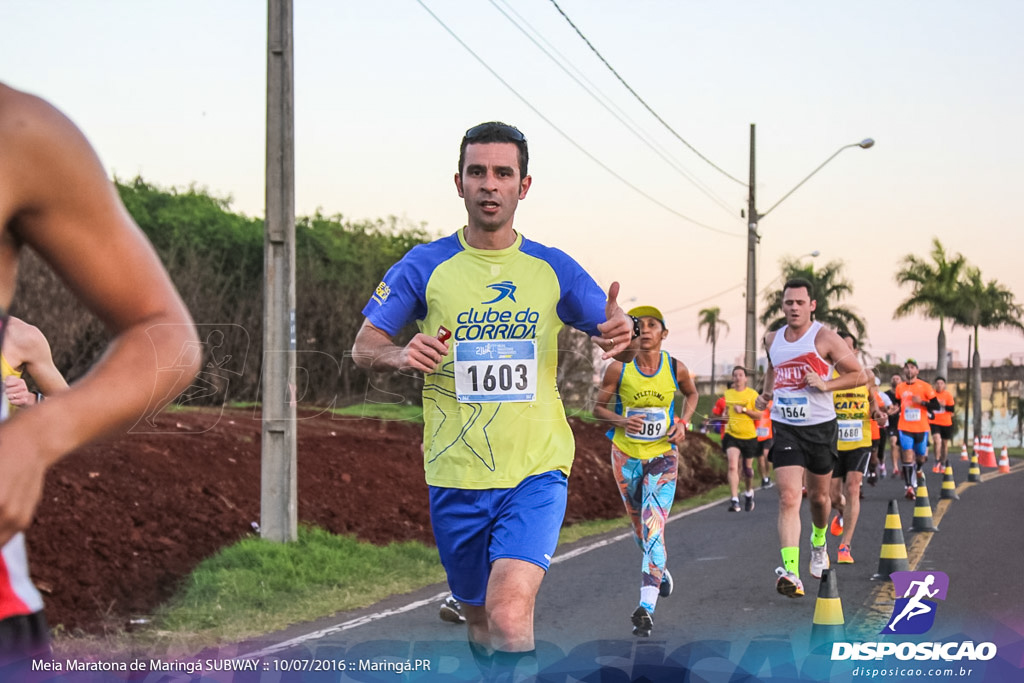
[
  {"x": 740, "y": 438},
  {"x": 856, "y": 410}
]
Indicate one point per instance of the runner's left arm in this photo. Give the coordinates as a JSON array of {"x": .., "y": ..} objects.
[
  {"x": 850, "y": 372},
  {"x": 768, "y": 388}
]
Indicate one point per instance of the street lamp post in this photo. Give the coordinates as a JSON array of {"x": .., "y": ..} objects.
[{"x": 753, "y": 217}]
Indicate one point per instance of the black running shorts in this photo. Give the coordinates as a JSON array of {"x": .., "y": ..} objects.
[
  {"x": 748, "y": 448},
  {"x": 813, "y": 446},
  {"x": 852, "y": 461}
]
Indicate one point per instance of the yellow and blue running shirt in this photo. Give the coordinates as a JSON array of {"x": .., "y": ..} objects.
[
  {"x": 854, "y": 417},
  {"x": 652, "y": 395},
  {"x": 491, "y": 411}
]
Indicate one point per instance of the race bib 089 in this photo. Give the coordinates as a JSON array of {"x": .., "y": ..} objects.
[
  {"x": 655, "y": 423},
  {"x": 492, "y": 371}
]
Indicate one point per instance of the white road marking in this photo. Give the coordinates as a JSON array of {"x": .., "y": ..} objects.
[{"x": 376, "y": 616}]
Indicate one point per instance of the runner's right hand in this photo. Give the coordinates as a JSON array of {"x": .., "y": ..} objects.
[{"x": 423, "y": 353}]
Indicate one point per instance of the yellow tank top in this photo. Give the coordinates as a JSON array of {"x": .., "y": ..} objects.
[
  {"x": 654, "y": 397},
  {"x": 854, "y": 418}
]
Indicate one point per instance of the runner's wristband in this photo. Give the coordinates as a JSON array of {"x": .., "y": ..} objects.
[{"x": 636, "y": 326}]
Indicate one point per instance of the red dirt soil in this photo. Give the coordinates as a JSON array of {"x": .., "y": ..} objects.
[{"x": 121, "y": 523}]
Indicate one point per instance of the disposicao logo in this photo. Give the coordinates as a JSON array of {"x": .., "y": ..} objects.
[
  {"x": 915, "y": 612},
  {"x": 505, "y": 289}
]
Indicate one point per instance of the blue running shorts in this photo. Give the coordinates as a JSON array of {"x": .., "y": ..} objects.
[
  {"x": 475, "y": 527},
  {"x": 914, "y": 441}
]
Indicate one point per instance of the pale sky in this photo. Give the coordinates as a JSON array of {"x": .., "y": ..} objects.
[{"x": 176, "y": 92}]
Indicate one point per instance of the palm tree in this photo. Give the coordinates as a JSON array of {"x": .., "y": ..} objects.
[
  {"x": 711, "y": 319},
  {"x": 830, "y": 288},
  {"x": 987, "y": 305},
  {"x": 934, "y": 290}
]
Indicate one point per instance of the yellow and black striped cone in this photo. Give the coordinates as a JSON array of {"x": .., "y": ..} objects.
[
  {"x": 893, "y": 557},
  {"x": 922, "y": 508},
  {"x": 828, "y": 626},
  {"x": 974, "y": 472},
  {"x": 948, "y": 485}
]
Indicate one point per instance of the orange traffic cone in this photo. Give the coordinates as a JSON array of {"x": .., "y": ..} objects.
[
  {"x": 963, "y": 452},
  {"x": 1004, "y": 461},
  {"x": 987, "y": 457}
]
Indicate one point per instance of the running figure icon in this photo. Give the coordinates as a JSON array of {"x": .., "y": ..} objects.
[{"x": 915, "y": 606}]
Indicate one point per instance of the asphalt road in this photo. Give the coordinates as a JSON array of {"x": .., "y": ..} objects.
[{"x": 725, "y": 621}]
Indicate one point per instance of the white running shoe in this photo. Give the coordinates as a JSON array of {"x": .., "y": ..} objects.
[
  {"x": 819, "y": 560},
  {"x": 788, "y": 583}
]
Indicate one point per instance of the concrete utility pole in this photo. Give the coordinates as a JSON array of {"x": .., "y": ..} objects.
[
  {"x": 753, "y": 218},
  {"x": 750, "y": 342},
  {"x": 278, "y": 486}
]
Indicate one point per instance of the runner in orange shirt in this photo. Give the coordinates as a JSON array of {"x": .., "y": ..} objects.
[
  {"x": 942, "y": 424},
  {"x": 916, "y": 398}
]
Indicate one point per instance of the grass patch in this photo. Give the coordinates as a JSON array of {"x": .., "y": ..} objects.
[
  {"x": 257, "y": 586},
  {"x": 716, "y": 458},
  {"x": 383, "y": 411},
  {"x": 720, "y": 491},
  {"x": 575, "y": 532},
  {"x": 581, "y": 413}
]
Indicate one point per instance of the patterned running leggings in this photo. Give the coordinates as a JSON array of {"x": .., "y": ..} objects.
[{"x": 648, "y": 488}]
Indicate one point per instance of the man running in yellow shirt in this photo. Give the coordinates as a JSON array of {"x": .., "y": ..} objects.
[{"x": 855, "y": 411}]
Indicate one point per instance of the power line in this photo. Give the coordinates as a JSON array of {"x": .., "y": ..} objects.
[
  {"x": 569, "y": 139},
  {"x": 705, "y": 299},
  {"x": 607, "y": 103},
  {"x": 641, "y": 100}
]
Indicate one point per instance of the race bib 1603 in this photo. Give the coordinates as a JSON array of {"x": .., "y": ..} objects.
[{"x": 492, "y": 371}]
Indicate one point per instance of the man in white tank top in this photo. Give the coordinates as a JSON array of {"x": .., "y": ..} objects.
[{"x": 801, "y": 357}]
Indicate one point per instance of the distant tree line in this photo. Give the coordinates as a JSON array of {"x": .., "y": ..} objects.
[{"x": 215, "y": 257}]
